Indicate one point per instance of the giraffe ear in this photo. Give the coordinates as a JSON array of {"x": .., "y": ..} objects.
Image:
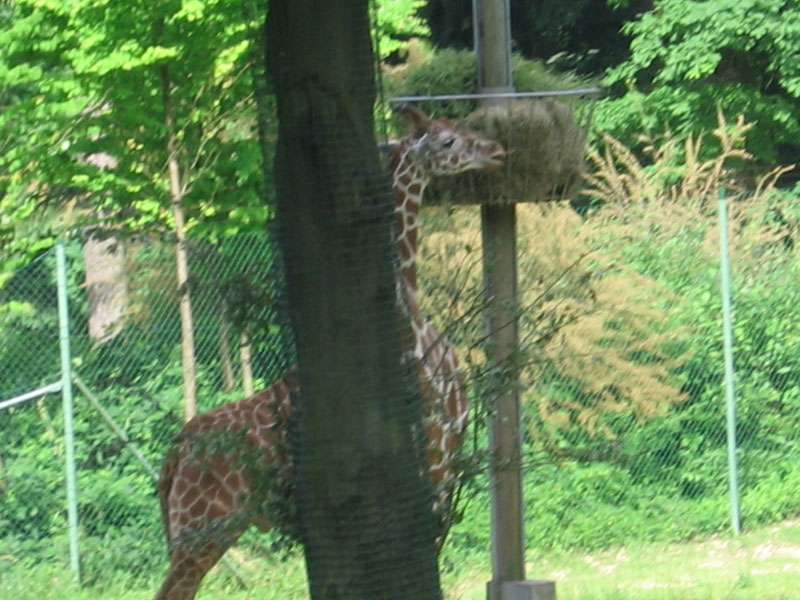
[{"x": 419, "y": 120}]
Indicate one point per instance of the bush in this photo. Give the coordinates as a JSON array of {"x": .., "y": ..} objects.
[{"x": 622, "y": 371}]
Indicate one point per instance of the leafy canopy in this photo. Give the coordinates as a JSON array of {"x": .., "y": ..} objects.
[
  {"x": 82, "y": 104},
  {"x": 689, "y": 57}
]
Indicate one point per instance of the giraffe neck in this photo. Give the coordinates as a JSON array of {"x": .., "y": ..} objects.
[{"x": 409, "y": 185}]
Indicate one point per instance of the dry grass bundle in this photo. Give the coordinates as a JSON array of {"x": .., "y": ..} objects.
[{"x": 546, "y": 149}]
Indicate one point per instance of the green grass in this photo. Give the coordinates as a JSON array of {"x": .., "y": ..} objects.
[{"x": 763, "y": 564}]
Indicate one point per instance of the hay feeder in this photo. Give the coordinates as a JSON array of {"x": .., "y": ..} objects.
[{"x": 544, "y": 134}]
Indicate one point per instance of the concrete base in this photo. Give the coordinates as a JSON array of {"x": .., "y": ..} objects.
[{"x": 521, "y": 590}]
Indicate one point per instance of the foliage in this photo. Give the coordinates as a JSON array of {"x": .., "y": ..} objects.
[
  {"x": 453, "y": 72},
  {"x": 661, "y": 221},
  {"x": 600, "y": 350},
  {"x": 83, "y": 120},
  {"x": 82, "y": 131},
  {"x": 622, "y": 373},
  {"x": 395, "y": 21},
  {"x": 137, "y": 378},
  {"x": 642, "y": 303},
  {"x": 689, "y": 58},
  {"x": 696, "y": 570},
  {"x": 622, "y": 378}
]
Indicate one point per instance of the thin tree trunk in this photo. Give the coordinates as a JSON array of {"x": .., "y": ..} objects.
[
  {"x": 176, "y": 192},
  {"x": 246, "y": 361},
  {"x": 228, "y": 379},
  {"x": 365, "y": 509}
]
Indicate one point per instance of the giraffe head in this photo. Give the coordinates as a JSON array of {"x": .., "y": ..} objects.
[{"x": 439, "y": 147}]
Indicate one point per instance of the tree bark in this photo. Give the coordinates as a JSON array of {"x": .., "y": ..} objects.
[
  {"x": 106, "y": 286},
  {"x": 365, "y": 509},
  {"x": 246, "y": 361}
]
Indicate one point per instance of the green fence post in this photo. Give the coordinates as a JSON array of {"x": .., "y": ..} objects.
[
  {"x": 727, "y": 332},
  {"x": 66, "y": 395}
]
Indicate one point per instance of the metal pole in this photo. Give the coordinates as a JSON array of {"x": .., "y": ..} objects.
[
  {"x": 492, "y": 39},
  {"x": 493, "y": 54},
  {"x": 499, "y": 248},
  {"x": 118, "y": 431},
  {"x": 727, "y": 333},
  {"x": 66, "y": 395},
  {"x": 42, "y": 391}
]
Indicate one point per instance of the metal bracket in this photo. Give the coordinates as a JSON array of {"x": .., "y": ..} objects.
[{"x": 534, "y": 589}]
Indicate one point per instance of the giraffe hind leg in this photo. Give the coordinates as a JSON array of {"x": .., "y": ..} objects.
[{"x": 189, "y": 565}]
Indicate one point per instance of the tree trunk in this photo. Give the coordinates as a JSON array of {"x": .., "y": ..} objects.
[
  {"x": 176, "y": 191},
  {"x": 365, "y": 509},
  {"x": 228, "y": 380},
  {"x": 106, "y": 286},
  {"x": 246, "y": 360}
]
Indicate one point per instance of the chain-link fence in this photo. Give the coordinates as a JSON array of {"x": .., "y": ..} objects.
[
  {"x": 125, "y": 338},
  {"x": 622, "y": 376},
  {"x": 623, "y": 369}
]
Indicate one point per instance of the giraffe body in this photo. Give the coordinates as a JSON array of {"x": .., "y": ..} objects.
[{"x": 206, "y": 487}]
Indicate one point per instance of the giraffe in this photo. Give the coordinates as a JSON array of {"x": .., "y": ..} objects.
[
  {"x": 434, "y": 147},
  {"x": 209, "y": 484}
]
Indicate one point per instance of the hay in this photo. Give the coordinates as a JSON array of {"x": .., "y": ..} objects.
[{"x": 545, "y": 162}]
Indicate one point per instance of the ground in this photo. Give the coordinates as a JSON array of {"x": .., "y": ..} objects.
[{"x": 763, "y": 564}]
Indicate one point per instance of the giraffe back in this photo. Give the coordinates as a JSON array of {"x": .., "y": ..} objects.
[{"x": 211, "y": 469}]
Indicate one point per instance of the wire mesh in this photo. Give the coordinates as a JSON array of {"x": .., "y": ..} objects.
[
  {"x": 30, "y": 315},
  {"x": 543, "y": 133},
  {"x": 33, "y": 516},
  {"x": 622, "y": 369},
  {"x": 620, "y": 357},
  {"x": 130, "y": 366},
  {"x": 622, "y": 380}
]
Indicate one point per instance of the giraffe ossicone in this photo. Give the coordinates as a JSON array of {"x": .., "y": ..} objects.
[{"x": 208, "y": 489}]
